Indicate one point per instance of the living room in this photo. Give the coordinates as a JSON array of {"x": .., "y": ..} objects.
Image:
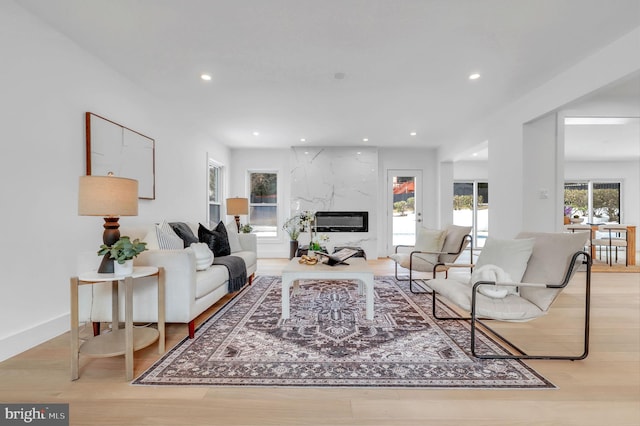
[{"x": 50, "y": 81}]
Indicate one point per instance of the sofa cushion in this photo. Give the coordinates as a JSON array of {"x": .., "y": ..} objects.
[
  {"x": 184, "y": 232},
  {"x": 204, "y": 255},
  {"x": 234, "y": 239},
  {"x": 167, "y": 238},
  {"x": 216, "y": 239},
  {"x": 210, "y": 279}
]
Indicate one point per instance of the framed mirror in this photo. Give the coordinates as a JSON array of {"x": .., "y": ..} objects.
[{"x": 114, "y": 148}]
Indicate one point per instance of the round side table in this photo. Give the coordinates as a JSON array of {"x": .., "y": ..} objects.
[{"x": 118, "y": 341}]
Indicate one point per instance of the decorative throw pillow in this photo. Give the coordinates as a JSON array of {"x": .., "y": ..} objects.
[
  {"x": 184, "y": 232},
  {"x": 216, "y": 239},
  {"x": 151, "y": 239},
  {"x": 204, "y": 255},
  {"x": 511, "y": 256},
  {"x": 234, "y": 239},
  {"x": 167, "y": 238},
  {"x": 430, "y": 240}
]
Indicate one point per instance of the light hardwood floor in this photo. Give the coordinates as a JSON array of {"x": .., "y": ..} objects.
[{"x": 604, "y": 389}]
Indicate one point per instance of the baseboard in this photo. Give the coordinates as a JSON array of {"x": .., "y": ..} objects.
[{"x": 24, "y": 340}]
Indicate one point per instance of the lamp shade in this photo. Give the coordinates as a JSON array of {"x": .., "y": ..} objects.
[
  {"x": 237, "y": 206},
  {"x": 107, "y": 196}
]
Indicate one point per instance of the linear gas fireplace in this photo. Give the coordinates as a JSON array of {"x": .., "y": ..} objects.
[{"x": 342, "y": 221}]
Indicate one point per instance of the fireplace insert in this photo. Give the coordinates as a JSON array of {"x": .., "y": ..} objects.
[{"x": 342, "y": 221}]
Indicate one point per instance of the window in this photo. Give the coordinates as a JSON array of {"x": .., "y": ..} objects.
[
  {"x": 593, "y": 202},
  {"x": 471, "y": 208},
  {"x": 215, "y": 193},
  {"x": 263, "y": 203}
]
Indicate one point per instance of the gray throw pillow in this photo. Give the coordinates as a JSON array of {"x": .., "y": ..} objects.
[{"x": 184, "y": 232}]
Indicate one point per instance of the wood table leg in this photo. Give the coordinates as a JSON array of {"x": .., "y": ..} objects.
[{"x": 75, "y": 335}]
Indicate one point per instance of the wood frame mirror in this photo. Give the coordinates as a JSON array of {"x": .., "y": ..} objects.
[{"x": 111, "y": 147}]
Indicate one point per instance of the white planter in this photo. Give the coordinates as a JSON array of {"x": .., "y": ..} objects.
[{"x": 123, "y": 269}]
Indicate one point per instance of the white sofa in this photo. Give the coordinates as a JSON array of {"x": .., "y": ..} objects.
[{"x": 188, "y": 292}]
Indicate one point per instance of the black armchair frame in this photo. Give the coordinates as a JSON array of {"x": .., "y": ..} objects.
[{"x": 446, "y": 266}]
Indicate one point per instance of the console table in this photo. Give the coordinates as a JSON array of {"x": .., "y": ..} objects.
[{"x": 118, "y": 341}]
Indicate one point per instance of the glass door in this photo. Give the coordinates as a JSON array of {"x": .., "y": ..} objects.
[
  {"x": 405, "y": 208},
  {"x": 471, "y": 208}
]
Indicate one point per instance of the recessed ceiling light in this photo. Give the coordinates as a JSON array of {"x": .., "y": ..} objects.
[
  {"x": 358, "y": 153},
  {"x": 256, "y": 133},
  {"x": 205, "y": 77},
  {"x": 303, "y": 140},
  {"x": 365, "y": 140},
  {"x": 474, "y": 76},
  {"x": 413, "y": 133}
]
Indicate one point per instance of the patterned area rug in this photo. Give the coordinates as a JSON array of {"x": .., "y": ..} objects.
[{"x": 328, "y": 342}]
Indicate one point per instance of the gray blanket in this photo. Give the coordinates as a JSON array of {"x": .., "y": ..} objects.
[{"x": 237, "y": 271}]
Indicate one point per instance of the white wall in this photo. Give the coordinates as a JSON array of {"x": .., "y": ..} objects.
[
  {"x": 47, "y": 85},
  {"x": 544, "y": 197}
]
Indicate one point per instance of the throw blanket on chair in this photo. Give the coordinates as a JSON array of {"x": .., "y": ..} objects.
[
  {"x": 237, "y": 271},
  {"x": 496, "y": 274}
]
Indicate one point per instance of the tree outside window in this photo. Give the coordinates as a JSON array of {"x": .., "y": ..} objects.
[{"x": 263, "y": 203}]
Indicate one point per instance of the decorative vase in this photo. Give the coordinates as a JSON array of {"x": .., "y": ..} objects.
[
  {"x": 293, "y": 249},
  {"x": 567, "y": 220},
  {"x": 123, "y": 269}
]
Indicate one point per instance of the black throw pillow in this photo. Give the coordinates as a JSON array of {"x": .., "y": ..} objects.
[
  {"x": 216, "y": 239},
  {"x": 184, "y": 231}
]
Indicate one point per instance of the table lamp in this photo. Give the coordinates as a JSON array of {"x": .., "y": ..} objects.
[
  {"x": 236, "y": 207},
  {"x": 109, "y": 197}
]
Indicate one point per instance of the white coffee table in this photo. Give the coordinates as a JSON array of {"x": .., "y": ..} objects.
[{"x": 357, "y": 269}]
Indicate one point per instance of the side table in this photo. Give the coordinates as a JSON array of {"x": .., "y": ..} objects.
[{"x": 118, "y": 341}]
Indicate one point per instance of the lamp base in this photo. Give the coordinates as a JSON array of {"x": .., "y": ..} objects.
[
  {"x": 110, "y": 235},
  {"x": 237, "y": 222}
]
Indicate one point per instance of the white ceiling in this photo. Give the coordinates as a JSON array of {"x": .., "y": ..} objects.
[{"x": 274, "y": 63}]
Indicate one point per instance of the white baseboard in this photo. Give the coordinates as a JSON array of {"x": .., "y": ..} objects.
[{"x": 19, "y": 342}]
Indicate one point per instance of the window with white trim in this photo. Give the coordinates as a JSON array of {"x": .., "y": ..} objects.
[
  {"x": 215, "y": 193},
  {"x": 263, "y": 203}
]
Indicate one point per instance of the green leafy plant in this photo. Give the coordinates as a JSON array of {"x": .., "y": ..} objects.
[
  {"x": 124, "y": 249},
  {"x": 246, "y": 229}
]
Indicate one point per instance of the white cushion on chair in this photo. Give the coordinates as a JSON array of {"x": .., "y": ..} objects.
[
  {"x": 430, "y": 240},
  {"x": 510, "y": 255}
]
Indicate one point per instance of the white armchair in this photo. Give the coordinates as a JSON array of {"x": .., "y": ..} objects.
[{"x": 545, "y": 272}]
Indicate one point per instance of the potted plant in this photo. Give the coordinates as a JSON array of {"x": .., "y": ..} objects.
[
  {"x": 122, "y": 252},
  {"x": 293, "y": 226},
  {"x": 246, "y": 229}
]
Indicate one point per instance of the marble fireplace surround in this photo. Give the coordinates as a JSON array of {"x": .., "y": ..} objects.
[{"x": 337, "y": 179}]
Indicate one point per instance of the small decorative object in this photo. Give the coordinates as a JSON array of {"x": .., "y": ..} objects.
[
  {"x": 577, "y": 219},
  {"x": 567, "y": 214},
  {"x": 123, "y": 251},
  {"x": 246, "y": 229},
  {"x": 308, "y": 260}
]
